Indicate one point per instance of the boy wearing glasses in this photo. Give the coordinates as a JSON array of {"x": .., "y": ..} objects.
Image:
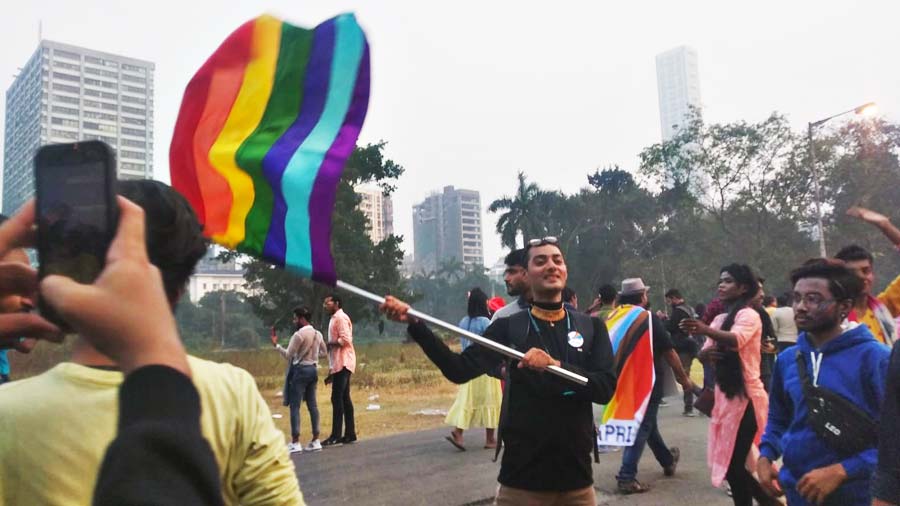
[
  {"x": 849, "y": 363},
  {"x": 546, "y": 424}
]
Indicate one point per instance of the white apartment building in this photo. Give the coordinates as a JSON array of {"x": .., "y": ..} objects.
[
  {"x": 372, "y": 205},
  {"x": 67, "y": 93}
]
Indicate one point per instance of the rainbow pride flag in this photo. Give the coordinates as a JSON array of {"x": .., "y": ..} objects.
[
  {"x": 265, "y": 128},
  {"x": 631, "y": 333}
]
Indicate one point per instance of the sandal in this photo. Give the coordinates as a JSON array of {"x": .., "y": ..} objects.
[
  {"x": 632, "y": 487},
  {"x": 454, "y": 443}
]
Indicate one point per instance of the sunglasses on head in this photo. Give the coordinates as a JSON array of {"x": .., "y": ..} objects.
[{"x": 540, "y": 242}]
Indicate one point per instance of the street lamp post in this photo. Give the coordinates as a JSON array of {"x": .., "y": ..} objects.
[{"x": 866, "y": 108}]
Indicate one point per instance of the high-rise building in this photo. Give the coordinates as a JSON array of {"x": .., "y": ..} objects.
[
  {"x": 379, "y": 211},
  {"x": 67, "y": 93},
  {"x": 678, "y": 86},
  {"x": 428, "y": 233},
  {"x": 447, "y": 226},
  {"x": 387, "y": 215}
]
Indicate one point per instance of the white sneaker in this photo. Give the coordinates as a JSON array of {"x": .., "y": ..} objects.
[
  {"x": 313, "y": 446},
  {"x": 294, "y": 447}
]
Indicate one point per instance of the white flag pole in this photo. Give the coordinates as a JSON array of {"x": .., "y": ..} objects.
[{"x": 487, "y": 343}]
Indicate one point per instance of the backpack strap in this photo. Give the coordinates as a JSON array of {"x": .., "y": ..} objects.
[
  {"x": 503, "y": 412},
  {"x": 802, "y": 372},
  {"x": 519, "y": 328},
  {"x": 809, "y": 391}
]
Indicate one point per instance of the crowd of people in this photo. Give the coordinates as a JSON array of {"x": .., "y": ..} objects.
[
  {"x": 798, "y": 388},
  {"x": 801, "y": 391}
]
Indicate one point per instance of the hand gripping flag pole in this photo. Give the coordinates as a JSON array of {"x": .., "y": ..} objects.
[
  {"x": 265, "y": 128},
  {"x": 487, "y": 343}
]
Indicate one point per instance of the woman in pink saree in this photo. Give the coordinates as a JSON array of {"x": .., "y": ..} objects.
[{"x": 739, "y": 415}]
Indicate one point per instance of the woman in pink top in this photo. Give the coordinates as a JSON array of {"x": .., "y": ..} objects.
[{"x": 739, "y": 415}]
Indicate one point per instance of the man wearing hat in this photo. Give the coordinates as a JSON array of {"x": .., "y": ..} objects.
[{"x": 633, "y": 299}]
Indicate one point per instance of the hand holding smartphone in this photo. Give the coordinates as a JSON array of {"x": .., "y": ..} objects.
[{"x": 76, "y": 212}]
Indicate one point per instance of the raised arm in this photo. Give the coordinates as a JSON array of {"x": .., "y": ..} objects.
[
  {"x": 879, "y": 221},
  {"x": 292, "y": 348},
  {"x": 456, "y": 367}
]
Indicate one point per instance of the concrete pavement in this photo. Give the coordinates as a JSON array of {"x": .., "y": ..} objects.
[{"x": 422, "y": 468}]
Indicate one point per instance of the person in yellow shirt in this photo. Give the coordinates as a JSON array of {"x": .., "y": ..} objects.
[
  {"x": 876, "y": 312},
  {"x": 55, "y": 427}
]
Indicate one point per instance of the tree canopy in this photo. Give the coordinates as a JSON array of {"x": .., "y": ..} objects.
[{"x": 712, "y": 195}]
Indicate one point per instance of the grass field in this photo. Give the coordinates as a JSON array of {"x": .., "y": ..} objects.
[{"x": 400, "y": 375}]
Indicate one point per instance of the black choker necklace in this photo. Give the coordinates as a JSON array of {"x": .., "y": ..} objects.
[{"x": 550, "y": 306}]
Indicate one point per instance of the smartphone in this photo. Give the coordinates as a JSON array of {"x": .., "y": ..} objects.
[{"x": 76, "y": 211}]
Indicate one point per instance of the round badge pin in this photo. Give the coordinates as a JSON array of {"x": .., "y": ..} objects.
[{"x": 576, "y": 340}]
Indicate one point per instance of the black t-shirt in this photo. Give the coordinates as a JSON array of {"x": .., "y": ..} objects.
[
  {"x": 682, "y": 341},
  {"x": 547, "y": 428},
  {"x": 662, "y": 343}
]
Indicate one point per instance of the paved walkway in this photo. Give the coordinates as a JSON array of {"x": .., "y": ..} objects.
[{"x": 421, "y": 468}]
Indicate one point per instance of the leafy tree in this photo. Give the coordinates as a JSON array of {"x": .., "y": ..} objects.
[
  {"x": 742, "y": 193},
  {"x": 859, "y": 165},
  {"x": 712, "y": 195},
  {"x": 221, "y": 319},
  {"x": 442, "y": 292},
  {"x": 194, "y": 324}
]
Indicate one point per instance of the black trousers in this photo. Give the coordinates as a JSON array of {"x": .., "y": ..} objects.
[
  {"x": 744, "y": 486},
  {"x": 341, "y": 405}
]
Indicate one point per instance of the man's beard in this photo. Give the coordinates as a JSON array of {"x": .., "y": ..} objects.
[{"x": 822, "y": 326}]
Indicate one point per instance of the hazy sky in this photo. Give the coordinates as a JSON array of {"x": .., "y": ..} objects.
[{"x": 467, "y": 93}]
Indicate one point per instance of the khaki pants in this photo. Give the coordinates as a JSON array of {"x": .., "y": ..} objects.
[{"x": 508, "y": 496}]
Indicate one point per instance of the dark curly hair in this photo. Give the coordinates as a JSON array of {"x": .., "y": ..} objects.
[
  {"x": 175, "y": 241},
  {"x": 842, "y": 282}
]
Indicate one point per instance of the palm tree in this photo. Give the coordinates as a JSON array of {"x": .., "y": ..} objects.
[
  {"x": 451, "y": 269},
  {"x": 515, "y": 220}
]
